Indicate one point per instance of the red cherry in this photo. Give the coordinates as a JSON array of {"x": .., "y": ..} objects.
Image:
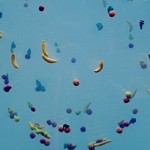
[
  {"x": 126, "y": 123},
  {"x": 119, "y": 130},
  {"x": 47, "y": 142},
  {"x": 33, "y": 109},
  {"x": 67, "y": 130},
  {"x": 60, "y": 128},
  {"x": 126, "y": 100},
  {"x": 41, "y": 8},
  {"x": 112, "y": 13},
  {"x": 76, "y": 82},
  {"x": 91, "y": 147}
]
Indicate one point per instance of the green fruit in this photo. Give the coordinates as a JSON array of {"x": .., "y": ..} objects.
[{"x": 128, "y": 94}]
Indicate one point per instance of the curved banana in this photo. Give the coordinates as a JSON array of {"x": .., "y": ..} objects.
[
  {"x": 13, "y": 60},
  {"x": 99, "y": 67},
  {"x": 48, "y": 59},
  {"x": 43, "y": 45},
  {"x": 104, "y": 141}
]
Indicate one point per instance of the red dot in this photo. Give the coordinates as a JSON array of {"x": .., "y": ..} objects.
[
  {"x": 76, "y": 82},
  {"x": 7, "y": 88},
  {"x": 47, "y": 142},
  {"x": 41, "y": 8},
  {"x": 126, "y": 123},
  {"x": 67, "y": 130},
  {"x": 33, "y": 109},
  {"x": 112, "y": 13},
  {"x": 119, "y": 130},
  {"x": 60, "y": 128},
  {"x": 126, "y": 100},
  {"x": 91, "y": 147}
]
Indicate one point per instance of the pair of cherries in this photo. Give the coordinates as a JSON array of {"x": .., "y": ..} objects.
[
  {"x": 128, "y": 96},
  {"x": 65, "y": 128}
]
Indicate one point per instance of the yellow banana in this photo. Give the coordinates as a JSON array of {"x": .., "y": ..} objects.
[
  {"x": 13, "y": 60},
  {"x": 99, "y": 67},
  {"x": 48, "y": 59},
  {"x": 102, "y": 143},
  {"x": 43, "y": 45}
]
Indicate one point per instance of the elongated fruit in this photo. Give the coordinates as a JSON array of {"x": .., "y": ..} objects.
[
  {"x": 44, "y": 49},
  {"x": 48, "y": 59},
  {"x": 99, "y": 67},
  {"x": 13, "y": 60}
]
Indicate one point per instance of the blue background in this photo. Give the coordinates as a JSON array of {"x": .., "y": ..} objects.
[{"x": 72, "y": 24}]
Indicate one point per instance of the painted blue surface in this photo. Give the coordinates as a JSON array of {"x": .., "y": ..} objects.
[{"x": 72, "y": 25}]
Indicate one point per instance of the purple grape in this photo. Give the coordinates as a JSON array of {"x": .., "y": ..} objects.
[
  {"x": 6, "y": 81},
  {"x": 54, "y": 124},
  {"x": 32, "y": 135},
  {"x": 121, "y": 125},
  {"x": 7, "y": 88},
  {"x": 37, "y": 89},
  {"x": 41, "y": 8},
  {"x": 83, "y": 129},
  {"x": 27, "y": 56},
  {"x": 89, "y": 111},
  {"x": 11, "y": 115},
  {"x": 99, "y": 140},
  {"x": 69, "y": 110},
  {"x": 1, "y": 14},
  {"x": 135, "y": 111},
  {"x": 26, "y": 5},
  {"x": 49, "y": 122},
  {"x": 144, "y": 66},
  {"x": 33, "y": 109},
  {"x": 132, "y": 120},
  {"x": 73, "y": 60},
  {"x": 4, "y": 77},
  {"x": 131, "y": 45},
  {"x": 42, "y": 141},
  {"x": 47, "y": 142}
]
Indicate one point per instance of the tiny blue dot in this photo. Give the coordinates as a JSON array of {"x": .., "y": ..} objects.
[
  {"x": 82, "y": 129},
  {"x": 99, "y": 26},
  {"x": 1, "y": 14},
  {"x": 26, "y": 5},
  {"x": 6, "y": 81},
  {"x": 27, "y": 56},
  {"x": 135, "y": 111},
  {"x": 54, "y": 124},
  {"x": 121, "y": 125},
  {"x": 69, "y": 110},
  {"x": 37, "y": 89},
  {"x": 4, "y": 77},
  {"x": 144, "y": 66},
  {"x": 73, "y": 60},
  {"x": 49, "y": 122},
  {"x": 13, "y": 45},
  {"x": 89, "y": 111},
  {"x": 32, "y": 135},
  {"x": 131, "y": 45}
]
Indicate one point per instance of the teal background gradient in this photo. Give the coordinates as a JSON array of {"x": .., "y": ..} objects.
[{"x": 72, "y": 24}]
